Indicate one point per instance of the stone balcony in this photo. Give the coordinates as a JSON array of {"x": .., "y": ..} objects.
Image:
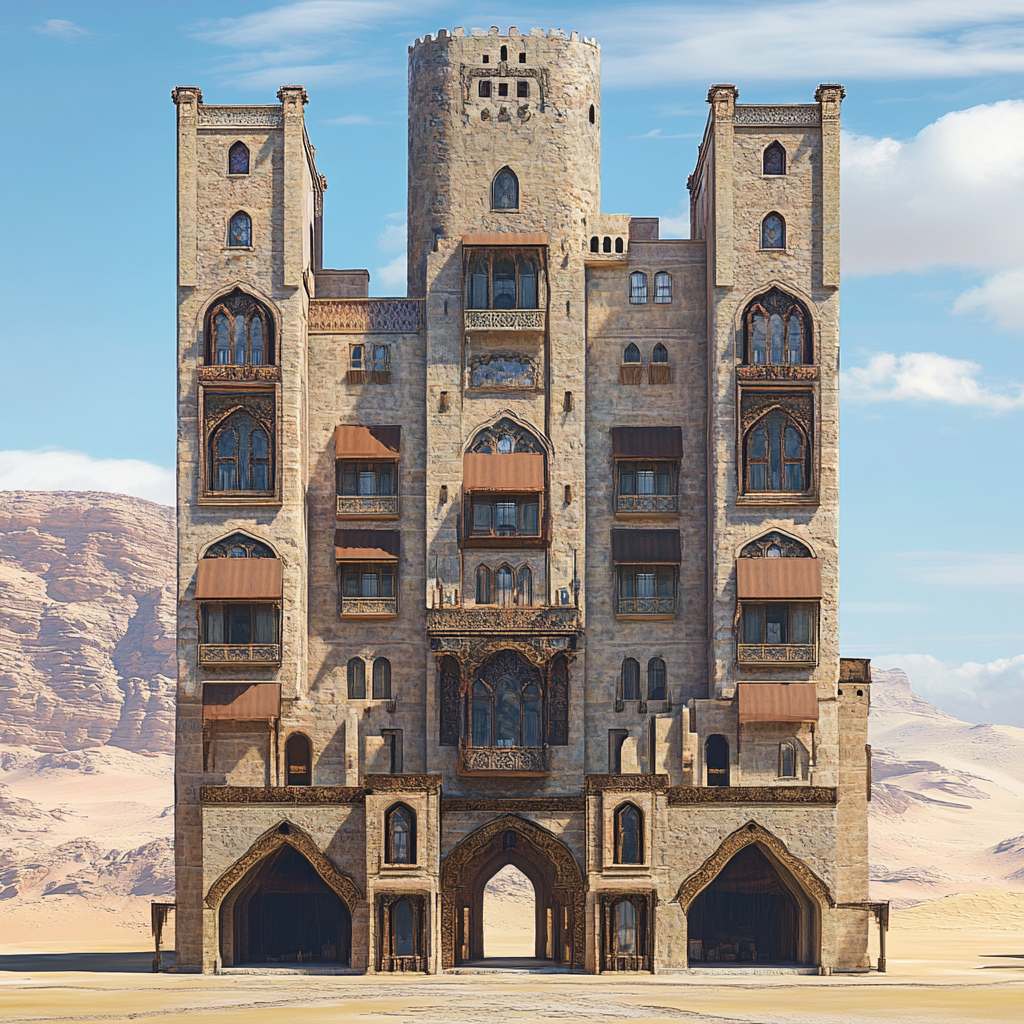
[
  {"x": 239, "y": 655},
  {"x": 368, "y": 506},
  {"x": 523, "y": 320},
  {"x": 646, "y": 504},
  {"x": 646, "y": 607},
  {"x": 525, "y": 762},
  {"x": 767, "y": 655},
  {"x": 369, "y": 607}
]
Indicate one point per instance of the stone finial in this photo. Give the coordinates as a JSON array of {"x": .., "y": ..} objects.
[
  {"x": 723, "y": 100},
  {"x": 186, "y": 98},
  {"x": 830, "y": 96},
  {"x": 291, "y": 95}
]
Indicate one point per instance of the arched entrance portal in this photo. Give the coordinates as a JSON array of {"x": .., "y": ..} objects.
[
  {"x": 509, "y": 914},
  {"x": 547, "y": 863}
]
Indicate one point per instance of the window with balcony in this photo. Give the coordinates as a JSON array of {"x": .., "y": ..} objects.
[
  {"x": 509, "y": 516},
  {"x": 367, "y": 572},
  {"x": 647, "y": 590},
  {"x": 502, "y": 280},
  {"x": 506, "y": 714},
  {"x": 778, "y": 633},
  {"x": 238, "y": 332},
  {"x": 367, "y": 586},
  {"x": 646, "y": 487},
  {"x": 244, "y": 633},
  {"x": 367, "y": 488}
]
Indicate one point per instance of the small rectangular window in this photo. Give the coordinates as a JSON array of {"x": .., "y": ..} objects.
[
  {"x": 522, "y": 58},
  {"x": 357, "y": 357},
  {"x": 503, "y": 88},
  {"x": 485, "y": 88},
  {"x": 522, "y": 90},
  {"x": 393, "y": 744}
]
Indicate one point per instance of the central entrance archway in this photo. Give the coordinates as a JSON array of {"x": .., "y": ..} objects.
[{"x": 549, "y": 865}]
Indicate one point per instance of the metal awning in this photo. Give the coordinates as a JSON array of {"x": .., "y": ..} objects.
[
  {"x": 225, "y": 579},
  {"x": 241, "y": 702},
  {"x": 515, "y": 473},
  {"x": 778, "y": 702},
  {"x": 773, "y": 579},
  {"x": 647, "y": 547},
  {"x": 360, "y": 442},
  {"x": 506, "y": 238},
  {"x": 367, "y": 545}
]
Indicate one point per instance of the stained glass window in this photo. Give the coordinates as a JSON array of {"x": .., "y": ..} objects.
[
  {"x": 506, "y": 190},
  {"x": 240, "y": 230},
  {"x": 776, "y": 331},
  {"x": 776, "y": 455},
  {"x": 773, "y": 232},
  {"x": 238, "y": 159},
  {"x": 774, "y": 161}
]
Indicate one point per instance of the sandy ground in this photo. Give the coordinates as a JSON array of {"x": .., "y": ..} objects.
[{"x": 958, "y": 960}]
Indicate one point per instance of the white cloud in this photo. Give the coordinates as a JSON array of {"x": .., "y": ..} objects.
[
  {"x": 393, "y": 239},
  {"x": 296, "y": 24},
  {"x": 61, "y": 29},
  {"x": 997, "y": 299},
  {"x": 973, "y": 691},
  {"x": 926, "y": 376},
  {"x": 824, "y": 40},
  {"x": 991, "y": 571},
  {"x": 49, "y": 470},
  {"x": 393, "y": 276},
  {"x": 351, "y": 119}
]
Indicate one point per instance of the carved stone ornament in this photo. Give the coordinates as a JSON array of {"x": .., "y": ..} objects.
[
  {"x": 268, "y": 843},
  {"x": 458, "y": 865},
  {"x": 365, "y": 316},
  {"x": 282, "y": 795},
  {"x": 799, "y": 405},
  {"x": 504, "y": 372},
  {"x": 513, "y": 805},
  {"x": 687, "y": 796},
  {"x": 625, "y": 783},
  {"x": 256, "y": 117},
  {"x": 220, "y": 374},
  {"x": 505, "y": 320},
  {"x": 797, "y": 114},
  {"x": 772, "y": 371},
  {"x": 402, "y": 783},
  {"x": 748, "y": 835}
]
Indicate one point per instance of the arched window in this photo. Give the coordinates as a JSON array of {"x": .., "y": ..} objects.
[
  {"x": 774, "y": 159},
  {"x": 356, "y": 679},
  {"x": 238, "y": 159},
  {"x": 400, "y": 835},
  {"x": 638, "y": 288},
  {"x": 239, "y": 332},
  {"x": 777, "y": 330},
  {"x": 593, "y": 114},
  {"x": 531, "y": 716},
  {"x": 505, "y": 437},
  {"x": 629, "y": 823},
  {"x": 777, "y": 455},
  {"x": 524, "y": 587},
  {"x": 504, "y": 53},
  {"x": 240, "y": 455},
  {"x": 381, "y": 679},
  {"x": 240, "y": 230},
  {"x": 239, "y": 545},
  {"x": 662, "y": 287},
  {"x": 481, "y": 714},
  {"x": 505, "y": 190},
  {"x": 631, "y": 354},
  {"x": 625, "y": 928},
  {"x": 656, "y": 679},
  {"x": 660, "y": 354},
  {"x": 630, "y": 679},
  {"x": 506, "y": 705},
  {"x": 787, "y": 760},
  {"x": 503, "y": 589},
  {"x": 298, "y": 760},
  {"x": 773, "y": 232},
  {"x": 595, "y": 244},
  {"x": 403, "y": 933},
  {"x": 620, "y": 246},
  {"x": 716, "y": 757},
  {"x": 484, "y": 585},
  {"x": 606, "y": 245}
]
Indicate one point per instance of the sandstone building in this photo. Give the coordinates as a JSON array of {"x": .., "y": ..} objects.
[{"x": 535, "y": 566}]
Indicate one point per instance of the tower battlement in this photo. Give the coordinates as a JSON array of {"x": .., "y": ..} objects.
[{"x": 445, "y": 35}]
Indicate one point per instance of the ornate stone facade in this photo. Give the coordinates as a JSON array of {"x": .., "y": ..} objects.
[{"x": 597, "y": 712}]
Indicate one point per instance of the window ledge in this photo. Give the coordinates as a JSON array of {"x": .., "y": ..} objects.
[
  {"x": 639, "y": 617},
  {"x": 270, "y": 501},
  {"x": 238, "y": 248},
  {"x": 398, "y": 869},
  {"x": 776, "y": 498},
  {"x": 626, "y": 869}
]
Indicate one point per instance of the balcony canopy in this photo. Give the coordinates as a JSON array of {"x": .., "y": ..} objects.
[
  {"x": 646, "y": 547},
  {"x": 366, "y": 545},
  {"x": 357, "y": 442},
  {"x": 647, "y": 442},
  {"x": 778, "y": 702},
  {"x": 506, "y": 238},
  {"x": 778, "y": 579},
  {"x": 241, "y": 702},
  {"x": 239, "y": 579},
  {"x": 514, "y": 473}
]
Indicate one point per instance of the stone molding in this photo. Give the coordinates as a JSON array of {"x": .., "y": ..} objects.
[
  {"x": 281, "y": 795},
  {"x": 505, "y": 320},
  {"x": 798, "y": 114},
  {"x": 228, "y": 374},
  {"x": 268, "y": 843},
  {"x": 513, "y": 805},
  {"x": 771, "y": 371},
  {"x": 685, "y": 796},
  {"x": 626, "y": 783},
  {"x": 241, "y": 117},
  {"x": 365, "y": 316},
  {"x": 748, "y": 835},
  {"x": 402, "y": 783}
]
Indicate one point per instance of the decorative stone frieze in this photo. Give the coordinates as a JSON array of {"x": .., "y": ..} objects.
[
  {"x": 686, "y": 796},
  {"x": 365, "y": 316}
]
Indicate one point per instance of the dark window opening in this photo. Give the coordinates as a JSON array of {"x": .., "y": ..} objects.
[
  {"x": 773, "y": 232},
  {"x": 504, "y": 53},
  {"x": 356, "y": 679},
  {"x": 787, "y": 760},
  {"x": 239, "y": 332},
  {"x": 484, "y": 88},
  {"x": 400, "y": 839},
  {"x": 298, "y": 760},
  {"x": 647, "y": 590},
  {"x": 368, "y": 580},
  {"x": 239, "y": 545},
  {"x": 630, "y": 679},
  {"x": 656, "y": 679},
  {"x": 593, "y": 114},
  {"x": 619, "y": 246},
  {"x": 647, "y": 478},
  {"x": 629, "y": 835},
  {"x": 511, "y": 516},
  {"x": 231, "y": 623},
  {"x": 660, "y": 354},
  {"x": 774, "y": 161},
  {"x": 522, "y": 58},
  {"x": 393, "y": 745},
  {"x": 616, "y": 737},
  {"x": 606, "y": 245},
  {"x": 507, "y": 711},
  {"x": 595, "y": 244},
  {"x": 716, "y": 757},
  {"x": 381, "y": 679},
  {"x": 505, "y": 191},
  {"x": 238, "y": 159},
  {"x": 502, "y": 282},
  {"x": 486, "y": 58},
  {"x": 631, "y": 354},
  {"x": 503, "y": 88},
  {"x": 522, "y": 90}
]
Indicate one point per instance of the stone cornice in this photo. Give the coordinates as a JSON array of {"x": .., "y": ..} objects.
[
  {"x": 626, "y": 783},
  {"x": 683, "y": 796},
  {"x": 513, "y": 805},
  {"x": 281, "y": 795}
]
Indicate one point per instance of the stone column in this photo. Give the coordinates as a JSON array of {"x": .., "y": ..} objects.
[
  {"x": 292, "y": 98},
  {"x": 723, "y": 104},
  {"x": 829, "y": 98},
  {"x": 188, "y": 99}
]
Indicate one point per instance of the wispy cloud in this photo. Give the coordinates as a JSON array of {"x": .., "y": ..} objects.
[
  {"x": 351, "y": 119},
  {"x": 60, "y": 29},
  {"x": 992, "y": 571},
  {"x": 997, "y": 299},
  {"x": 55, "y": 470},
  {"x": 927, "y": 377},
  {"x": 656, "y": 133}
]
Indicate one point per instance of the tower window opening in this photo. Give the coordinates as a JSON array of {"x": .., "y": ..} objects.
[
  {"x": 774, "y": 160},
  {"x": 606, "y": 245},
  {"x": 522, "y": 58},
  {"x": 618, "y": 245},
  {"x": 773, "y": 232},
  {"x": 485, "y": 88},
  {"x": 522, "y": 90},
  {"x": 503, "y": 88},
  {"x": 593, "y": 114},
  {"x": 504, "y": 53},
  {"x": 595, "y": 244},
  {"x": 486, "y": 58},
  {"x": 238, "y": 159},
  {"x": 240, "y": 230},
  {"x": 505, "y": 191}
]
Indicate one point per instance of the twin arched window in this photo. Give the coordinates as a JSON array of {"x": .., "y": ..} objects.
[
  {"x": 238, "y": 159},
  {"x": 629, "y": 835},
  {"x": 381, "y": 676},
  {"x": 400, "y": 835},
  {"x": 504, "y": 587},
  {"x": 507, "y": 714},
  {"x": 773, "y": 232},
  {"x": 777, "y": 454},
  {"x": 656, "y": 679},
  {"x": 773, "y": 161},
  {"x": 505, "y": 190},
  {"x": 777, "y": 331},
  {"x": 240, "y": 230},
  {"x": 241, "y": 455},
  {"x": 239, "y": 332}
]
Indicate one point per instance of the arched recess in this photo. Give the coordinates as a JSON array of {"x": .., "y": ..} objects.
[
  {"x": 526, "y": 437},
  {"x": 223, "y": 896},
  {"x": 811, "y": 894},
  {"x": 792, "y": 546},
  {"x": 543, "y": 858},
  {"x": 256, "y": 547},
  {"x": 242, "y": 288}
]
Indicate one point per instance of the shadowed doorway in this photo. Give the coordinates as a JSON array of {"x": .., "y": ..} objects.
[{"x": 510, "y": 915}]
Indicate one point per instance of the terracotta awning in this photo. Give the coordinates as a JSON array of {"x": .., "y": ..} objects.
[
  {"x": 506, "y": 238},
  {"x": 647, "y": 442},
  {"x": 770, "y": 579},
  {"x": 778, "y": 702},
  {"x": 241, "y": 702},
  {"x": 647, "y": 547},
  {"x": 226, "y": 579},
  {"x": 512, "y": 473},
  {"x": 354, "y": 442},
  {"x": 367, "y": 545}
]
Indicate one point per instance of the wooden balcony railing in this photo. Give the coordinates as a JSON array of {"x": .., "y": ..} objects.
[
  {"x": 652, "y": 504},
  {"x": 631, "y": 373},
  {"x": 239, "y": 655},
  {"x": 368, "y": 505},
  {"x": 777, "y": 654},
  {"x": 646, "y": 606}
]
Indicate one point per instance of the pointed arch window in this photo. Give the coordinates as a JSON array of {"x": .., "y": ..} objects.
[
  {"x": 659, "y": 354},
  {"x": 629, "y": 824},
  {"x": 507, "y": 711},
  {"x": 774, "y": 159},
  {"x": 524, "y": 587},
  {"x": 400, "y": 835},
  {"x": 241, "y": 455},
  {"x": 505, "y": 190},
  {"x": 630, "y": 679},
  {"x": 238, "y": 159},
  {"x": 381, "y": 679},
  {"x": 777, "y": 455},
  {"x": 239, "y": 332},
  {"x": 656, "y": 679},
  {"x": 356, "y": 679},
  {"x": 503, "y": 581},
  {"x": 631, "y": 354},
  {"x": 777, "y": 331},
  {"x": 484, "y": 585},
  {"x": 240, "y": 230},
  {"x": 773, "y": 232}
]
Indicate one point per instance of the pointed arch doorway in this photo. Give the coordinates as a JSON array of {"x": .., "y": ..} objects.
[{"x": 549, "y": 865}]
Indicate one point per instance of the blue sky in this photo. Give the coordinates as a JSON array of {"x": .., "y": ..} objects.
[{"x": 933, "y": 249}]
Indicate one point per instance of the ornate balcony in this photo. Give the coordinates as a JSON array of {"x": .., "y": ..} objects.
[
  {"x": 522, "y": 761},
  {"x": 777, "y": 654},
  {"x": 531, "y": 320},
  {"x": 368, "y": 506},
  {"x": 649, "y": 504},
  {"x": 369, "y": 607},
  {"x": 239, "y": 655},
  {"x": 643, "y": 606}
]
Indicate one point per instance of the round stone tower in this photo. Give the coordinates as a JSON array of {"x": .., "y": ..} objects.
[{"x": 479, "y": 103}]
